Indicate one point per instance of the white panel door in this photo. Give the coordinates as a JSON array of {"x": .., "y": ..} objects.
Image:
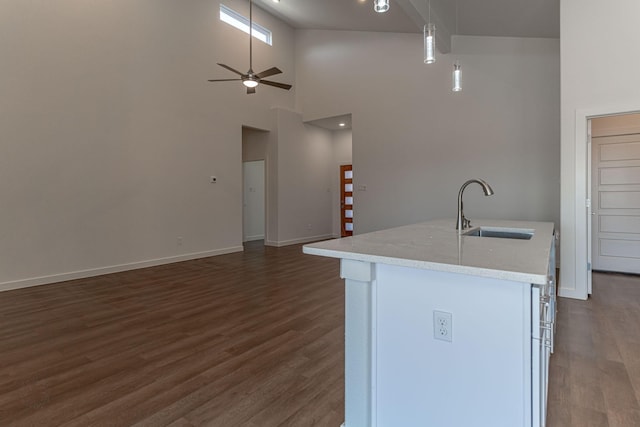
[
  {"x": 253, "y": 194},
  {"x": 616, "y": 203}
]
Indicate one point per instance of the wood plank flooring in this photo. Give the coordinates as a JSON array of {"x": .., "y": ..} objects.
[
  {"x": 595, "y": 370},
  {"x": 255, "y": 339},
  {"x": 248, "y": 339}
]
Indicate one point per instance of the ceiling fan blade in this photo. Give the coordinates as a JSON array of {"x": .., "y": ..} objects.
[
  {"x": 251, "y": 90},
  {"x": 225, "y": 80},
  {"x": 230, "y": 69},
  {"x": 270, "y": 72},
  {"x": 276, "y": 84}
]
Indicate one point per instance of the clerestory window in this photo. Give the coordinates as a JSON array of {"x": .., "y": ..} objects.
[{"x": 233, "y": 18}]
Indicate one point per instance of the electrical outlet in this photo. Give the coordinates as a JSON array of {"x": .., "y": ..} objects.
[
  {"x": 442, "y": 326},
  {"x": 179, "y": 241}
]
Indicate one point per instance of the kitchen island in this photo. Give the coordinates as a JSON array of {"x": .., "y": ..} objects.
[{"x": 445, "y": 328}]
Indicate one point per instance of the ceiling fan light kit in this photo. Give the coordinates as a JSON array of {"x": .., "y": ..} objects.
[
  {"x": 250, "y": 82},
  {"x": 381, "y": 6},
  {"x": 250, "y": 79}
]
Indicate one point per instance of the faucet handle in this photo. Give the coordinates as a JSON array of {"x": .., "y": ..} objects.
[{"x": 466, "y": 223}]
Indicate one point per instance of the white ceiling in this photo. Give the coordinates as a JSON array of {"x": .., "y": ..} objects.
[
  {"x": 509, "y": 18},
  {"x": 354, "y": 15},
  {"x": 333, "y": 123},
  {"x": 506, "y": 18}
]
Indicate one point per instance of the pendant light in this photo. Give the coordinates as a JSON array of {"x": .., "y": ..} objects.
[
  {"x": 380, "y": 6},
  {"x": 457, "y": 72},
  {"x": 429, "y": 44},
  {"x": 457, "y": 77},
  {"x": 429, "y": 40}
]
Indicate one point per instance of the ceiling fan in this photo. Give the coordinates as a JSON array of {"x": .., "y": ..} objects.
[{"x": 251, "y": 79}]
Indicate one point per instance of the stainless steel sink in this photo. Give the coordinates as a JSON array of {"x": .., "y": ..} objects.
[{"x": 501, "y": 233}]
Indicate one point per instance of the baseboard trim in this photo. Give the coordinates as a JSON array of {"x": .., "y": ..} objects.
[
  {"x": 281, "y": 243},
  {"x": 82, "y": 274},
  {"x": 252, "y": 238},
  {"x": 570, "y": 293}
]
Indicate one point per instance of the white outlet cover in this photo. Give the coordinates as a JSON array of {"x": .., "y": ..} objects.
[{"x": 442, "y": 326}]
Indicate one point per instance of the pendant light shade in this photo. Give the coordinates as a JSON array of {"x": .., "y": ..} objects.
[
  {"x": 429, "y": 43},
  {"x": 457, "y": 77},
  {"x": 380, "y": 5}
]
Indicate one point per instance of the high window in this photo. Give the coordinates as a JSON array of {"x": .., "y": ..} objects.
[{"x": 232, "y": 17}]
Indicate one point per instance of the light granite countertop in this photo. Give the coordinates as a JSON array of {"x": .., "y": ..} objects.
[{"x": 436, "y": 245}]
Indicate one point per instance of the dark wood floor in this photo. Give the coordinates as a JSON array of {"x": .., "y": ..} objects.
[
  {"x": 255, "y": 339},
  {"x": 247, "y": 339}
]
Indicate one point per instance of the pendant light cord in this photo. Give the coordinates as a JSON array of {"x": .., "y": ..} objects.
[{"x": 456, "y": 17}]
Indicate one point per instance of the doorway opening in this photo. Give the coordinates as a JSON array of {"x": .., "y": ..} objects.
[
  {"x": 254, "y": 186},
  {"x": 613, "y": 194},
  {"x": 341, "y": 128}
]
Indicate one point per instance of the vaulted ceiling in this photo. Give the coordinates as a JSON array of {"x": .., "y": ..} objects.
[
  {"x": 496, "y": 18},
  {"x": 502, "y": 18}
]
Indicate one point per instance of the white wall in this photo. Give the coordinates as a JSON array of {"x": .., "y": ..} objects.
[
  {"x": 415, "y": 142},
  {"x": 305, "y": 154},
  {"x": 599, "y": 73},
  {"x": 110, "y": 131},
  {"x": 342, "y": 149}
]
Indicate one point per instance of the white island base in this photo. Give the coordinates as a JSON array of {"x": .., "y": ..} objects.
[{"x": 398, "y": 372}]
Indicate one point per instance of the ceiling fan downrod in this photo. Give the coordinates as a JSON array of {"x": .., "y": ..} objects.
[{"x": 250, "y": 79}]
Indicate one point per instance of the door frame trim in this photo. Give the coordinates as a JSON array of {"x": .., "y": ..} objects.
[{"x": 580, "y": 243}]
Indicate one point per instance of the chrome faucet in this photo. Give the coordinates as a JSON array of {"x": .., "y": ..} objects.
[{"x": 463, "y": 223}]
